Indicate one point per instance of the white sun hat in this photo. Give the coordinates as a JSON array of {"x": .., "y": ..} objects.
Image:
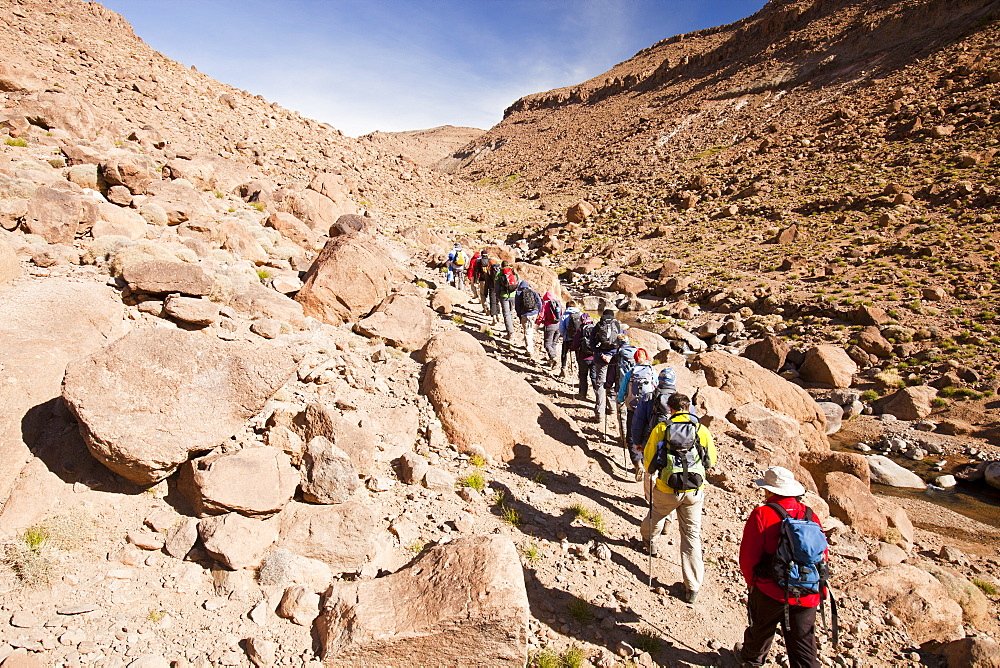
[{"x": 781, "y": 481}]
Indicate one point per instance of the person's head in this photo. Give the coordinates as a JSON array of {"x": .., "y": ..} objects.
[
  {"x": 667, "y": 378},
  {"x": 457, "y": 245},
  {"x": 641, "y": 356},
  {"x": 505, "y": 264},
  {"x": 571, "y": 303},
  {"x": 484, "y": 255},
  {"x": 585, "y": 319},
  {"x": 679, "y": 403},
  {"x": 779, "y": 480},
  {"x": 607, "y": 314}
]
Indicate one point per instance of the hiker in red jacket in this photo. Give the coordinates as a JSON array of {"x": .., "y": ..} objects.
[{"x": 767, "y": 599}]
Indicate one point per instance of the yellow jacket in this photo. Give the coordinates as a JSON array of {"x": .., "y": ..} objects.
[{"x": 656, "y": 437}]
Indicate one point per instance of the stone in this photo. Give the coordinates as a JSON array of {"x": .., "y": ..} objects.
[
  {"x": 340, "y": 536},
  {"x": 978, "y": 652},
  {"x": 349, "y": 278},
  {"x": 328, "y": 475},
  {"x": 439, "y": 480},
  {"x": 450, "y": 341},
  {"x": 217, "y": 482},
  {"x": 267, "y": 328},
  {"x": 145, "y": 540},
  {"x": 291, "y": 228},
  {"x": 910, "y": 403},
  {"x": 178, "y": 200},
  {"x": 976, "y": 608},
  {"x": 853, "y": 503},
  {"x": 63, "y": 111},
  {"x": 300, "y": 605},
  {"x": 404, "y": 321},
  {"x": 413, "y": 468},
  {"x": 933, "y": 294},
  {"x": 884, "y": 471},
  {"x": 262, "y": 653},
  {"x": 134, "y": 171},
  {"x": 202, "y": 389},
  {"x": 445, "y": 298},
  {"x": 886, "y": 555},
  {"x": 10, "y": 267},
  {"x": 763, "y": 423},
  {"x": 820, "y": 463},
  {"x": 834, "y": 416},
  {"x": 282, "y": 568},
  {"x": 237, "y": 541},
  {"x": 651, "y": 341},
  {"x": 57, "y": 215},
  {"x": 457, "y": 604},
  {"x": 322, "y": 419},
  {"x": 512, "y": 421},
  {"x": 828, "y": 365},
  {"x": 160, "y": 277},
  {"x": 119, "y": 195},
  {"x": 746, "y": 382},
  {"x": 579, "y": 212},
  {"x": 690, "y": 341},
  {"x": 991, "y": 474},
  {"x": 916, "y": 598},
  {"x": 945, "y": 481},
  {"x": 871, "y": 341},
  {"x": 114, "y": 220},
  {"x": 191, "y": 310},
  {"x": 181, "y": 540},
  {"x": 770, "y": 352},
  {"x": 149, "y": 661},
  {"x": 629, "y": 285},
  {"x": 870, "y": 316}
]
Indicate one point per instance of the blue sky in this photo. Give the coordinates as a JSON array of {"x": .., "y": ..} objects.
[{"x": 364, "y": 65}]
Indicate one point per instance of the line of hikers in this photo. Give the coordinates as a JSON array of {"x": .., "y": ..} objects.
[{"x": 783, "y": 553}]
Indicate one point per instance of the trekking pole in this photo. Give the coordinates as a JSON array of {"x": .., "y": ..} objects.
[{"x": 648, "y": 484}]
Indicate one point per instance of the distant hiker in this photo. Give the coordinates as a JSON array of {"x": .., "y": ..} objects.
[
  {"x": 528, "y": 306},
  {"x": 505, "y": 283},
  {"x": 482, "y": 274},
  {"x": 678, "y": 454},
  {"x": 568, "y": 327},
  {"x": 549, "y": 319},
  {"x": 603, "y": 341},
  {"x": 580, "y": 346},
  {"x": 760, "y": 549},
  {"x": 470, "y": 275},
  {"x": 456, "y": 267},
  {"x": 637, "y": 382}
]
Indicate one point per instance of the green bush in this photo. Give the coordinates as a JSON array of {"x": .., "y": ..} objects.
[
  {"x": 16, "y": 141},
  {"x": 475, "y": 480}
]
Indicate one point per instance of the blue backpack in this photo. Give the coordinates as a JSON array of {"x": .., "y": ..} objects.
[{"x": 799, "y": 566}]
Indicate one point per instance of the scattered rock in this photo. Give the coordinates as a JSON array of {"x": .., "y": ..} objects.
[
  {"x": 217, "y": 482},
  {"x": 328, "y": 475}
]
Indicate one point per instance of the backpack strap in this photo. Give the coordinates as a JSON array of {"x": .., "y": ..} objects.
[{"x": 782, "y": 513}]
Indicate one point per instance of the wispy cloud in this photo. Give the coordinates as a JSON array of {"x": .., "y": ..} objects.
[{"x": 363, "y": 65}]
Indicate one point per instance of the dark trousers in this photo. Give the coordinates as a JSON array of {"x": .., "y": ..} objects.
[
  {"x": 583, "y": 373},
  {"x": 551, "y": 341},
  {"x": 565, "y": 353},
  {"x": 800, "y": 636}
]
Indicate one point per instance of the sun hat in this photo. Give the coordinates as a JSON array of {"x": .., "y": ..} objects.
[
  {"x": 781, "y": 481},
  {"x": 667, "y": 378}
]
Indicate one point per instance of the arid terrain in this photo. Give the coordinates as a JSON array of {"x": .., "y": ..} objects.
[{"x": 244, "y": 421}]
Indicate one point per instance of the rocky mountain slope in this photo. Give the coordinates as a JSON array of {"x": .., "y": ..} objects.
[
  {"x": 243, "y": 423},
  {"x": 813, "y": 162},
  {"x": 423, "y": 147}
]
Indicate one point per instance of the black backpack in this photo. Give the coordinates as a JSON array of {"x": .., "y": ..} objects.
[
  {"x": 573, "y": 326},
  {"x": 606, "y": 334},
  {"x": 681, "y": 449},
  {"x": 529, "y": 300}
]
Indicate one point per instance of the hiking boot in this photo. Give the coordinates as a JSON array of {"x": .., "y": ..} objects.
[
  {"x": 690, "y": 596},
  {"x": 638, "y": 473},
  {"x": 643, "y": 546}
]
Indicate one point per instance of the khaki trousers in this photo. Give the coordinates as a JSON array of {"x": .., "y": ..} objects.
[{"x": 688, "y": 506}]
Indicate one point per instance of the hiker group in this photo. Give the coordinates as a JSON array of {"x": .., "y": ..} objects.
[{"x": 783, "y": 552}]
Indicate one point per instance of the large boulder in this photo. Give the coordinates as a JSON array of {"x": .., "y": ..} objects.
[
  {"x": 651, "y": 341},
  {"x": 821, "y": 463},
  {"x": 63, "y": 111},
  {"x": 509, "y": 419},
  {"x": 135, "y": 171},
  {"x": 910, "y": 403},
  {"x": 540, "y": 278},
  {"x": 328, "y": 474},
  {"x": 341, "y": 536},
  {"x": 217, "y": 482},
  {"x": 884, "y": 471},
  {"x": 316, "y": 209},
  {"x": 324, "y": 420},
  {"x": 770, "y": 352},
  {"x": 154, "y": 396},
  {"x": 463, "y": 603},
  {"x": 56, "y": 215},
  {"x": 916, "y": 598},
  {"x": 350, "y": 276},
  {"x": 445, "y": 298},
  {"x": 404, "y": 321},
  {"x": 238, "y": 541},
  {"x": 852, "y": 502},
  {"x": 978, "y": 652},
  {"x": 291, "y": 228},
  {"x": 766, "y": 424},
  {"x": 976, "y": 608},
  {"x": 43, "y": 325},
  {"x": 748, "y": 382},
  {"x": 580, "y": 212},
  {"x": 179, "y": 201},
  {"x": 161, "y": 276},
  {"x": 118, "y": 221},
  {"x": 450, "y": 341},
  {"x": 828, "y": 365}
]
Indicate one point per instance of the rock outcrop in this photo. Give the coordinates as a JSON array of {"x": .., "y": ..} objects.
[
  {"x": 457, "y": 601},
  {"x": 916, "y": 598}
]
